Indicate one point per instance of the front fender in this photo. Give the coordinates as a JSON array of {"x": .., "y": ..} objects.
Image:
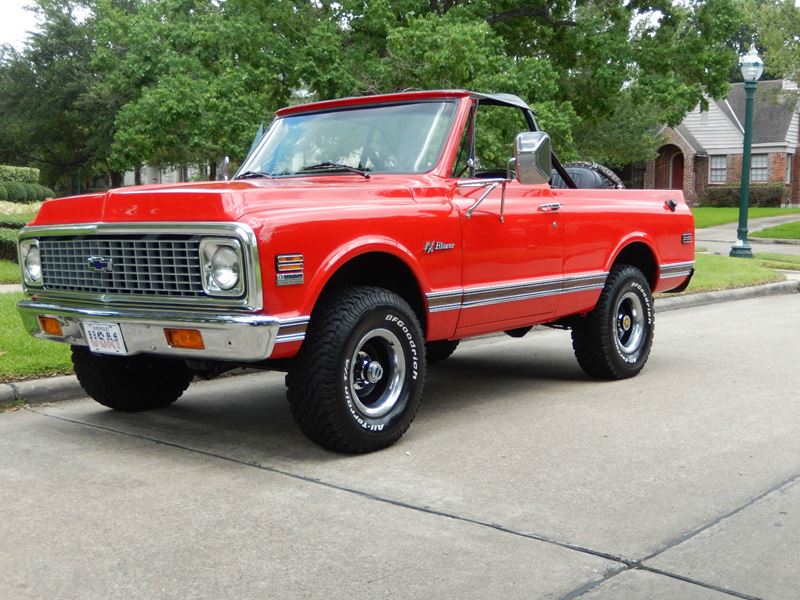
[{"x": 343, "y": 254}]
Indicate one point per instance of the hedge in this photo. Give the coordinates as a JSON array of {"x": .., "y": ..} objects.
[
  {"x": 8, "y": 244},
  {"x": 24, "y": 192},
  {"x": 18, "y": 174},
  {"x": 767, "y": 194},
  {"x": 44, "y": 192}
]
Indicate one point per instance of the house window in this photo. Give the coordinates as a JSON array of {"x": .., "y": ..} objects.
[
  {"x": 758, "y": 167},
  {"x": 719, "y": 169},
  {"x": 789, "y": 159}
]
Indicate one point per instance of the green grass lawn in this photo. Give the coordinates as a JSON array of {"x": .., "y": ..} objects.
[
  {"x": 778, "y": 261},
  {"x": 709, "y": 216},
  {"x": 786, "y": 231},
  {"x": 9, "y": 272},
  {"x": 23, "y": 356},
  {"x": 714, "y": 273}
]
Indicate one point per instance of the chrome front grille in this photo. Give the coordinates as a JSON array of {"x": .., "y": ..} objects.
[{"x": 165, "y": 265}]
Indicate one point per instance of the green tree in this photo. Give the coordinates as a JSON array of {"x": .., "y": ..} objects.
[
  {"x": 215, "y": 70},
  {"x": 58, "y": 112},
  {"x": 774, "y": 26},
  {"x": 584, "y": 65},
  {"x": 173, "y": 82}
]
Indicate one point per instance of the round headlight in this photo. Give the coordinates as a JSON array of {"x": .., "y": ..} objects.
[
  {"x": 225, "y": 267},
  {"x": 33, "y": 263}
]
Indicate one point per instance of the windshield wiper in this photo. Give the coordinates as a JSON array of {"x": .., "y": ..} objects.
[
  {"x": 253, "y": 175},
  {"x": 331, "y": 166}
]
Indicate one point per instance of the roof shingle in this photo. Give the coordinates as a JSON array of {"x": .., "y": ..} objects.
[{"x": 772, "y": 110}]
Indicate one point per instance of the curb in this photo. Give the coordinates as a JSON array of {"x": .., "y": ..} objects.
[
  {"x": 785, "y": 242},
  {"x": 66, "y": 387},
  {"x": 39, "y": 391},
  {"x": 758, "y": 291}
]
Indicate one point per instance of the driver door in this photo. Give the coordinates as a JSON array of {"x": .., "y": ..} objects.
[{"x": 512, "y": 248}]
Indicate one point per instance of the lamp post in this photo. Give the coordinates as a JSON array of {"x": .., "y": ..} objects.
[{"x": 752, "y": 66}]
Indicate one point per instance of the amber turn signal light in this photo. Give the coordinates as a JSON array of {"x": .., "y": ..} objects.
[
  {"x": 50, "y": 326},
  {"x": 185, "y": 338}
]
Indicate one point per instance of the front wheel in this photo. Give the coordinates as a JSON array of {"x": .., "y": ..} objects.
[
  {"x": 130, "y": 383},
  {"x": 614, "y": 340},
  {"x": 356, "y": 383}
]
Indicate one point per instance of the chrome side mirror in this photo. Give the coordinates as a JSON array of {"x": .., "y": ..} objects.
[
  {"x": 225, "y": 174},
  {"x": 532, "y": 157}
]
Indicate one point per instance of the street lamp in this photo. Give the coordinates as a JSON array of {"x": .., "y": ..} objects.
[{"x": 752, "y": 66}]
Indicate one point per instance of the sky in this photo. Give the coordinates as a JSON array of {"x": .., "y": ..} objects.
[{"x": 15, "y": 22}]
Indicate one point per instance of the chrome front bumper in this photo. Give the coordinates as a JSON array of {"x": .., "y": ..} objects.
[{"x": 231, "y": 337}]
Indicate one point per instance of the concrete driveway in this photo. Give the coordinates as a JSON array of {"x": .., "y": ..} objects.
[{"x": 520, "y": 478}]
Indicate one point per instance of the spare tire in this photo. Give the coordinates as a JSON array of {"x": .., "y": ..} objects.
[{"x": 587, "y": 175}]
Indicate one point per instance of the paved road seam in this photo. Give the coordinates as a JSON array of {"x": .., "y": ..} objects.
[{"x": 625, "y": 564}]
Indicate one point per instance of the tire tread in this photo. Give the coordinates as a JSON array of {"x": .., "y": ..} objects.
[
  {"x": 592, "y": 338},
  {"x": 117, "y": 383},
  {"x": 311, "y": 381}
]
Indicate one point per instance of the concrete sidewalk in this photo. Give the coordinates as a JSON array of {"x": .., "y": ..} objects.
[{"x": 719, "y": 239}]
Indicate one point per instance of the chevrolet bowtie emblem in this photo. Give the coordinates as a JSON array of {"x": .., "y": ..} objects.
[{"x": 99, "y": 264}]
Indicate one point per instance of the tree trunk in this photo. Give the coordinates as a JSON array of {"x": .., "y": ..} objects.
[
  {"x": 137, "y": 175},
  {"x": 117, "y": 179},
  {"x": 212, "y": 170}
]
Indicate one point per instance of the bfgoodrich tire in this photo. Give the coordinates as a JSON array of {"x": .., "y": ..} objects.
[
  {"x": 130, "y": 383},
  {"x": 356, "y": 383},
  {"x": 614, "y": 340}
]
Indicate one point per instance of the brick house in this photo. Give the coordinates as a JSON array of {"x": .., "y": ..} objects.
[{"x": 706, "y": 148}]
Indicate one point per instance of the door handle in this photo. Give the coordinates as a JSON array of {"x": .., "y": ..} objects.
[{"x": 550, "y": 207}]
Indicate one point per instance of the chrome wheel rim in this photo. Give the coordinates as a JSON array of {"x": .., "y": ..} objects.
[
  {"x": 377, "y": 372},
  {"x": 629, "y": 323}
]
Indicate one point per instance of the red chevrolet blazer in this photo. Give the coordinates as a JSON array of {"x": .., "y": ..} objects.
[{"x": 360, "y": 239}]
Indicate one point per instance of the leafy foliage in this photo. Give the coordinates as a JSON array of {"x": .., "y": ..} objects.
[
  {"x": 8, "y": 243},
  {"x": 774, "y": 26},
  {"x": 18, "y": 174},
  {"x": 186, "y": 81},
  {"x": 24, "y": 192},
  {"x": 767, "y": 194}
]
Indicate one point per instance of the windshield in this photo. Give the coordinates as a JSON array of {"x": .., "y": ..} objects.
[{"x": 402, "y": 138}]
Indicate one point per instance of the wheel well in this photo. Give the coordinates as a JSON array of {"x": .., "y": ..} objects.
[
  {"x": 381, "y": 270},
  {"x": 639, "y": 255}
]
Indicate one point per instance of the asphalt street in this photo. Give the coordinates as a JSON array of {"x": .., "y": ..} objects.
[{"x": 520, "y": 478}]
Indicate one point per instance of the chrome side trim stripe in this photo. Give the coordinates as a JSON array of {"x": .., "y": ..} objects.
[
  {"x": 292, "y": 330},
  {"x": 673, "y": 270},
  {"x": 522, "y": 290},
  {"x": 444, "y": 300}
]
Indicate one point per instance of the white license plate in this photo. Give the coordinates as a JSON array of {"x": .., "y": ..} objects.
[{"x": 104, "y": 338}]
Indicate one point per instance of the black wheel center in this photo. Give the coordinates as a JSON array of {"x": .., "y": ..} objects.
[{"x": 367, "y": 376}]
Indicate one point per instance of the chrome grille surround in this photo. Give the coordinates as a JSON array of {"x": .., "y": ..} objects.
[{"x": 148, "y": 263}]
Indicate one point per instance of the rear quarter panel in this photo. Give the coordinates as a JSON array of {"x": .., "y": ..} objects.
[{"x": 599, "y": 224}]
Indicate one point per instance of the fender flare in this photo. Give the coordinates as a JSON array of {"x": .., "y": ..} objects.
[
  {"x": 354, "y": 248},
  {"x": 639, "y": 237}
]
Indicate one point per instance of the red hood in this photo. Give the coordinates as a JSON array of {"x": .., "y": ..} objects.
[{"x": 227, "y": 200}]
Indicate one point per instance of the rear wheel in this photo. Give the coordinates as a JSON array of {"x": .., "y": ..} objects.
[
  {"x": 440, "y": 349},
  {"x": 356, "y": 383},
  {"x": 130, "y": 383},
  {"x": 614, "y": 340}
]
